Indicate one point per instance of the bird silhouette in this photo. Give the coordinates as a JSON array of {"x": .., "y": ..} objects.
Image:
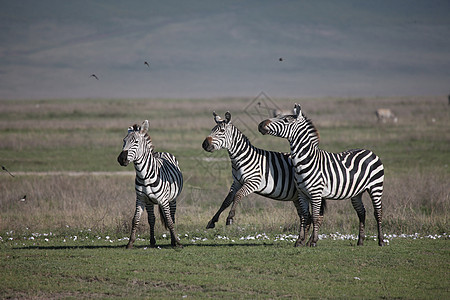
[
  {"x": 93, "y": 75},
  {"x": 6, "y": 170},
  {"x": 23, "y": 199},
  {"x": 280, "y": 59},
  {"x": 146, "y": 63}
]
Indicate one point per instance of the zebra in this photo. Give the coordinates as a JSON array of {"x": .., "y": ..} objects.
[
  {"x": 254, "y": 170},
  {"x": 321, "y": 174},
  {"x": 158, "y": 181}
]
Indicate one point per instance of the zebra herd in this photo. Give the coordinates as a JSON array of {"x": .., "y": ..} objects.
[{"x": 308, "y": 176}]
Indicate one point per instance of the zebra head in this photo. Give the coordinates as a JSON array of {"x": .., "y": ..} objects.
[
  {"x": 290, "y": 126},
  {"x": 134, "y": 144},
  {"x": 282, "y": 125},
  {"x": 220, "y": 136}
]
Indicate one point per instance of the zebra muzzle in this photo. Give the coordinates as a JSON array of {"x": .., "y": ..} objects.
[
  {"x": 262, "y": 127},
  {"x": 207, "y": 144},
  {"x": 122, "y": 159}
]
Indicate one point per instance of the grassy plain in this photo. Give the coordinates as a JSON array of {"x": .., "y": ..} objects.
[
  {"x": 56, "y": 149},
  {"x": 407, "y": 269}
]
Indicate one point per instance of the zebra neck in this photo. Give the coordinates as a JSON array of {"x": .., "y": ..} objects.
[
  {"x": 240, "y": 145},
  {"x": 146, "y": 165},
  {"x": 303, "y": 148}
]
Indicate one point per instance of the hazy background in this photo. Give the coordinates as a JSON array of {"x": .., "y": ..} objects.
[{"x": 49, "y": 49}]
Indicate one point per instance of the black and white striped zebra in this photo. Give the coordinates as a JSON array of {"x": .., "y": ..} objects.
[
  {"x": 321, "y": 174},
  {"x": 158, "y": 181},
  {"x": 254, "y": 170}
]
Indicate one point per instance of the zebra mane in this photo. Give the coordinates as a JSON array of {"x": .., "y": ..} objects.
[
  {"x": 147, "y": 137},
  {"x": 312, "y": 130},
  {"x": 244, "y": 137}
]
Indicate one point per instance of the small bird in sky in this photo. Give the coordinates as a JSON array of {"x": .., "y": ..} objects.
[
  {"x": 146, "y": 63},
  {"x": 6, "y": 170},
  {"x": 280, "y": 59},
  {"x": 23, "y": 199},
  {"x": 95, "y": 76}
]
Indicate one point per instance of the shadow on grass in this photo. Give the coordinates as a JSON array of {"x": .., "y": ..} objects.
[{"x": 158, "y": 247}]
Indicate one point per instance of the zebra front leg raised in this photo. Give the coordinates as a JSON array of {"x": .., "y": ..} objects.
[
  {"x": 135, "y": 223},
  {"x": 245, "y": 190},
  {"x": 228, "y": 200}
]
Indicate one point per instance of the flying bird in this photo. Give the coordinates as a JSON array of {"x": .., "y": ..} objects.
[
  {"x": 93, "y": 75},
  {"x": 146, "y": 63},
  {"x": 23, "y": 199},
  {"x": 280, "y": 59},
  {"x": 6, "y": 170}
]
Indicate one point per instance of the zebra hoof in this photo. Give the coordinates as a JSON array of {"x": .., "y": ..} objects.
[
  {"x": 229, "y": 222},
  {"x": 177, "y": 246},
  {"x": 129, "y": 246},
  {"x": 299, "y": 243},
  {"x": 210, "y": 225}
]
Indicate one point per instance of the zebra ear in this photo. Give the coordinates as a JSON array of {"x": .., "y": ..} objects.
[
  {"x": 217, "y": 118},
  {"x": 228, "y": 117},
  {"x": 297, "y": 110},
  {"x": 144, "y": 127}
]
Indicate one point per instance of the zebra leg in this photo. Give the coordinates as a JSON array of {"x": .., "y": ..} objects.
[
  {"x": 378, "y": 213},
  {"x": 378, "y": 216},
  {"x": 151, "y": 222},
  {"x": 361, "y": 211},
  {"x": 241, "y": 193},
  {"x": 321, "y": 213},
  {"x": 135, "y": 222},
  {"x": 173, "y": 209},
  {"x": 175, "y": 241},
  {"x": 302, "y": 206},
  {"x": 315, "y": 205},
  {"x": 228, "y": 200}
]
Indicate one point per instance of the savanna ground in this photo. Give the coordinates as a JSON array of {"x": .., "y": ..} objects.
[{"x": 67, "y": 238}]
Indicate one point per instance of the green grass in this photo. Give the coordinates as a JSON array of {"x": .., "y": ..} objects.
[
  {"x": 86, "y": 136},
  {"x": 406, "y": 269}
]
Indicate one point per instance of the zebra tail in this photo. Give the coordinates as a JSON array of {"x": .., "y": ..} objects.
[
  {"x": 163, "y": 217},
  {"x": 323, "y": 206}
]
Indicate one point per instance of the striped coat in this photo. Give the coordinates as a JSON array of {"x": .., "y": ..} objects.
[
  {"x": 158, "y": 181},
  {"x": 254, "y": 170},
  {"x": 321, "y": 174}
]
